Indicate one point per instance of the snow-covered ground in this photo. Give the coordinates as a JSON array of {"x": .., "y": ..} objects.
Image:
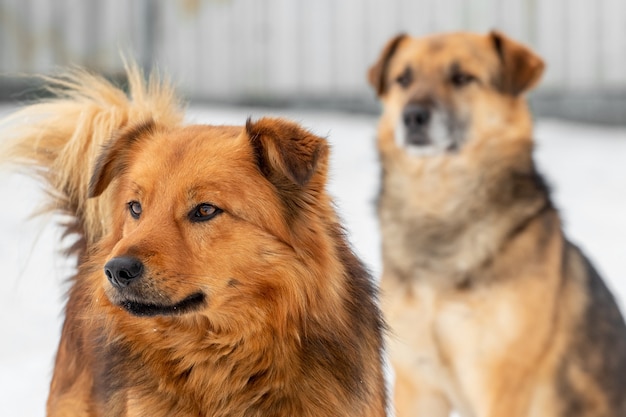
[{"x": 586, "y": 166}]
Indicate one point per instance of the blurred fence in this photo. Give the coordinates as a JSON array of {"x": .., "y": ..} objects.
[{"x": 295, "y": 51}]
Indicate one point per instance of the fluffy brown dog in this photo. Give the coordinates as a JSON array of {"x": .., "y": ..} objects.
[
  {"x": 213, "y": 277},
  {"x": 494, "y": 313}
]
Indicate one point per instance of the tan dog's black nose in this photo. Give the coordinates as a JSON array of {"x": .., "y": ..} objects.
[
  {"x": 415, "y": 117},
  {"x": 121, "y": 271}
]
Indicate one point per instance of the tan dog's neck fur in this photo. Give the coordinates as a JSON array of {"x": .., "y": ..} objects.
[{"x": 458, "y": 220}]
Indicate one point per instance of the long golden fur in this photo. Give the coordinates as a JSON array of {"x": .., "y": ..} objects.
[
  {"x": 213, "y": 275},
  {"x": 493, "y": 312}
]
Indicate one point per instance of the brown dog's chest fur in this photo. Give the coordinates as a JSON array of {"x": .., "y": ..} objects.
[{"x": 184, "y": 366}]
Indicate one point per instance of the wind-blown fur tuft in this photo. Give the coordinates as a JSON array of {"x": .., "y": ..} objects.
[{"x": 58, "y": 139}]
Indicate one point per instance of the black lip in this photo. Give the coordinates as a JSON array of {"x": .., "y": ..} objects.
[
  {"x": 417, "y": 140},
  {"x": 191, "y": 303}
]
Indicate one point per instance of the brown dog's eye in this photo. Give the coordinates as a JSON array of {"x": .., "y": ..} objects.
[
  {"x": 134, "y": 207},
  {"x": 204, "y": 212},
  {"x": 461, "y": 79},
  {"x": 406, "y": 78}
]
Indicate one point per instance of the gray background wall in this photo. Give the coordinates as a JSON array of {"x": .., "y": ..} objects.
[{"x": 312, "y": 52}]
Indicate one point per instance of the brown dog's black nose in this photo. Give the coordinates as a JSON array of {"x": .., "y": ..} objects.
[
  {"x": 415, "y": 117},
  {"x": 121, "y": 271}
]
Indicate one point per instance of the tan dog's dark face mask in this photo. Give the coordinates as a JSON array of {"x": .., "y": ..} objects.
[{"x": 439, "y": 92}]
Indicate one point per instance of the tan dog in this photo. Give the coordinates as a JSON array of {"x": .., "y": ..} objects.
[
  {"x": 213, "y": 276},
  {"x": 494, "y": 313}
]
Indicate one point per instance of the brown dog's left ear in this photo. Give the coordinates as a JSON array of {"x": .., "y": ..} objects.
[
  {"x": 521, "y": 67},
  {"x": 285, "y": 151},
  {"x": 377, "y": 74},
  {"x": 115, "y": 156}
]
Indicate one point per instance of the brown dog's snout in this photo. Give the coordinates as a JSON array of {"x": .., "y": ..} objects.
[
  {"x": 123, "y": 270},
  {"x": 416, "y": 117}
]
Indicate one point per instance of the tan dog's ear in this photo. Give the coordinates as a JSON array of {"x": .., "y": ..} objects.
[
  {"x": 115, "y": 157},
  {"x": 377, "y": 74},
  {"x": 285, "y": 151},
  {"x": 521, "y": 67}
]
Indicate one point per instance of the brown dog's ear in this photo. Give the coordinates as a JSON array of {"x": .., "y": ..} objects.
[
  {"x": 285, "y": 151},
  {"x": 521, "y": 67},
  {"x": 115, "y": 156},
  {"x": 377, "y": 74}
]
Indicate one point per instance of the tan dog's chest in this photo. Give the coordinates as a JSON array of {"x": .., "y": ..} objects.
[
  {"x": 458, "y": 341},
  {"x": 414, "y": 344}
]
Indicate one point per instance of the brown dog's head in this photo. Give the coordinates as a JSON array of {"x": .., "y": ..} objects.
[
  {"x": 441, "y": 91},
  {"x": 211, "y": 218}
]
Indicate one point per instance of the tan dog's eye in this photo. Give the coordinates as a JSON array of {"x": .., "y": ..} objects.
[
  {"x": 204, "y": 212},
  {"x": 461, "y": 79},
  {"x": 134, "y": 207},
  {"x": 406, "y": 78}
]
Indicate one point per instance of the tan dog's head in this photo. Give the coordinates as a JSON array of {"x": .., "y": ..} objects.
[
  {"x": 212, "y": 219},
  {"x": 441, "y": 91}
]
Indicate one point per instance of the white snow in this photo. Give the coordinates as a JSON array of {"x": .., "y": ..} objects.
[{"x": 586, "y": 166}]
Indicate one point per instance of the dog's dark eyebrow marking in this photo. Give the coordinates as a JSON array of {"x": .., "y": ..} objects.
[
  {"x": 406, "y": 78},
  {"x": 203, "y": 190},
  {"x": 136, "y": 188},
  {"x": 455, "y": 68}
]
